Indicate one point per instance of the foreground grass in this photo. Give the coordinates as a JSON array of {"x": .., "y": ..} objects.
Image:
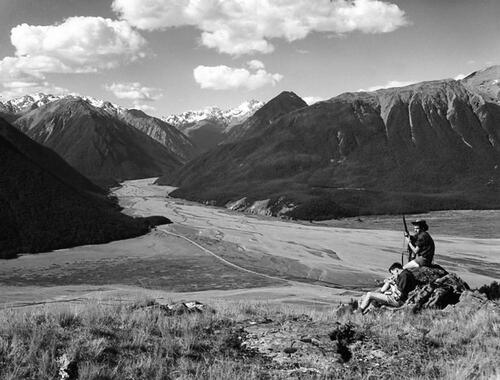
[{"x": 123, "y": 342}]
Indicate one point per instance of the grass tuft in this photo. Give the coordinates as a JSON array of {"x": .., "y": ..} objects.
[{"x": 122, "y": 342}]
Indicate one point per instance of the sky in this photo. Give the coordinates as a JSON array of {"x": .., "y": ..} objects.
[{"x": 170, "y": 56}]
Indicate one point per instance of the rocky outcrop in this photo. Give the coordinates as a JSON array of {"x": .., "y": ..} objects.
[
  {"x": 298, "y": 346},
  {"x": 426, "y": 275},
  {"x": 176, "y": 308},
  {"x": 437, "y": 289}
]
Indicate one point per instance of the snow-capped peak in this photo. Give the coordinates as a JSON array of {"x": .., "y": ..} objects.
[
  {"x": 228, "y": 117},
  {"x": 27, "y": 102},
  {"x": 31, "y": 101}
]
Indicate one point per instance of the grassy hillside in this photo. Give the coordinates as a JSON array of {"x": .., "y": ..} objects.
[{"x": 136, "y": 342}]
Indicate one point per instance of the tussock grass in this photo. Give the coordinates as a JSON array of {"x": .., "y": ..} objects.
[{"x": 126, "y": 342}]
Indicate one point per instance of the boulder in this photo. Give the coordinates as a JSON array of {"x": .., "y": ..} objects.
[
  {"x": 437, "y": 289},
  {"x": 426, "y": 275}
]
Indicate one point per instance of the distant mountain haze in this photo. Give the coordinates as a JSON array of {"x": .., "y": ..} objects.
[
  {"x": 103, "y": 143},
  {"x": 431, "y": 145},
  {"x": 46, "y": 205}
]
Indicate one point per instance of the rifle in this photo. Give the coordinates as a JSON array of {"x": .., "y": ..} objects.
[{"x": 408, "y": 250}]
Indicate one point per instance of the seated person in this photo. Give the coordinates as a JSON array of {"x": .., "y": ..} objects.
[
  {"x": 420, "y": 245},
  {"x": 395, "y": 290}
]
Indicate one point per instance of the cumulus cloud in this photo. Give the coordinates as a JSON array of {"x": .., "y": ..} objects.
[
  {"x": 22, "y": 75},
  {"x": 312, "y": 99},
  {"x": 247, "y": 26},
  {"x": 17, "y": 68},
  {"x": 134, "y": 91},
  {"x": 144, "y": 107},
  {"x": 226, "y": 78},
  {"x": 390, "y": 84},
  {"x": 255, "y": 64},
  {"x": 14, "y": 89},
  {"x": 79, "y": 44}
]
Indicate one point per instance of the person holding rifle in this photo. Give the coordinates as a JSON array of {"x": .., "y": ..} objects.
[{"x": 420, "y": 245}]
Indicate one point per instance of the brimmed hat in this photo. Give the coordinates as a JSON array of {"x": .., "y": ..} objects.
[{"x": 421, "y": 223}]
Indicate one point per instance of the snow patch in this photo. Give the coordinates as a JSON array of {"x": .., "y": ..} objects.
[
  {"x": 227, "y": 118},
  {"x": 27, "y": 102}
]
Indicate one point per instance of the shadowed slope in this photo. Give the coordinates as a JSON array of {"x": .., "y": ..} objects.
[
  {"x": 40, "y": 211},
  {"x": 99, "y": 146},
  {"x": 159, "y": 130},
  {"x": 47, "y": 159},
  {"x": 280, "y": 105}
]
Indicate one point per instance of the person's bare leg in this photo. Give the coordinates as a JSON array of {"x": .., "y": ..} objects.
[
  {"x": 411, "y": 264},
  {"x": 365, "y": 302},
  {"x": 374, "y": 296}
]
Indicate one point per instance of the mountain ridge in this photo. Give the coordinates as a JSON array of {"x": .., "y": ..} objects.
[
  {"x": 99, "y": 145},
  {"x": 425, "y": 146},
  {"x": 285, "y": 102},
  {"x": 156, "y": 128},
  {"x": 210, "y": 126}
]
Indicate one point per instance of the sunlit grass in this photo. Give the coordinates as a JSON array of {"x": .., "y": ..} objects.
[{"x": 130, "y": 342}]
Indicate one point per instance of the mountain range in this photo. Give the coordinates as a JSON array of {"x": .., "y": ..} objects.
[
  {"x": 431, "y": 145},
  {"x": 45, "y": 204},
  {"x": 210, "y": 126},
  {"x": 104, "y": 142}
]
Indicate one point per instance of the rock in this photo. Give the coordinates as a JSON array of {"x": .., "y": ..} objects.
[
  {"x": 290, "y": 350},
  {"x": 425, "y": 275},
  {"x": 177, "y": 308},
  {"x": 298, "y": 346},
  {"x": 437, "y": 288},
  {"x": 184, "y": 308}
]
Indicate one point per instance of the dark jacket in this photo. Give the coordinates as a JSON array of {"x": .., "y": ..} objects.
[
  {"x": 406, "y": 282},
  {"x": 426, "y": 246}
]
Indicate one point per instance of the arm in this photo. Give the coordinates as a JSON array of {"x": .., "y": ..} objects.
[
  {"x": 387, "y": 283},
  {"x": 412, "y": 246},
  {"x": 385, "y": 287}
]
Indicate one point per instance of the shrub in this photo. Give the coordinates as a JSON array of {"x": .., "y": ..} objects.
[{"x": 492, "y": 291}]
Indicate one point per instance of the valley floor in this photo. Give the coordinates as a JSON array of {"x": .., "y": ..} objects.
[{"x": 211, "y": 253}]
